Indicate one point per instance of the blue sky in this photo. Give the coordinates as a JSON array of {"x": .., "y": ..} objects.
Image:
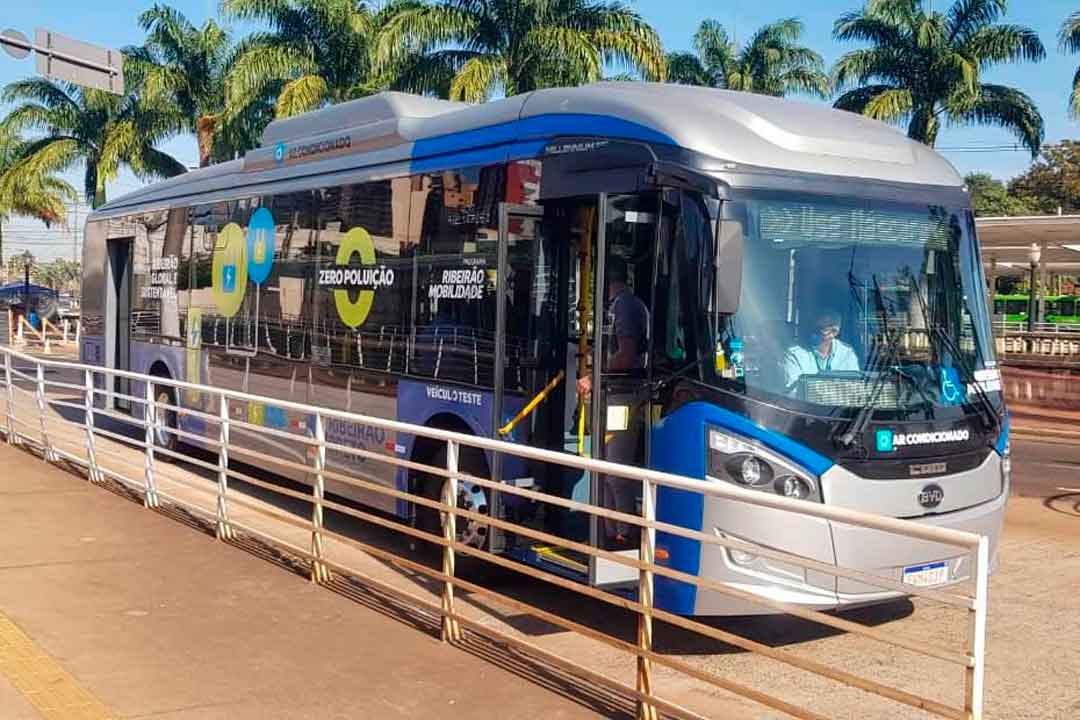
[{"x": 112, "y": 23}]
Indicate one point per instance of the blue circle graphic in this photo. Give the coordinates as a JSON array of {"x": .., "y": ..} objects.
[{"x": 260, "y": 245}]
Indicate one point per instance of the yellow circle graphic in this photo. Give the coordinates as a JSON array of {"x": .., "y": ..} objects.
[
  {"x": 354, "y": 313},
  {"x": 230, "y": 270}
]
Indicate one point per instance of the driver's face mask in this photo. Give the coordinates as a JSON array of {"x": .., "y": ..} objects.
[{"x": 823, "y": 334}]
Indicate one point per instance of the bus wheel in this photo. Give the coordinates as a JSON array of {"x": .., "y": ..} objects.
[
  {"x": 165, "y": 422},
  {"x": 470, "y": 531}
]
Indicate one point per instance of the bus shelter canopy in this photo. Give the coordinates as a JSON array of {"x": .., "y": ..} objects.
[{"x": 1006, "y": 243}]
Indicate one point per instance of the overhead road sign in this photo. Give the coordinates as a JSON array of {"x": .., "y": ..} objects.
[{"x": 69, "y": 60}]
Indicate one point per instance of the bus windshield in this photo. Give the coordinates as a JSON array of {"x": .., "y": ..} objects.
[{"x": 851, "y": 303}]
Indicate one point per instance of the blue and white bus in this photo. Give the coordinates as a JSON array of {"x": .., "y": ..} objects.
[{"x": 801, "y": 286}]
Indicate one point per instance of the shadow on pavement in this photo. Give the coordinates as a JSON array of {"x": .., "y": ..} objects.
[{"x": 1065, "y": 503}]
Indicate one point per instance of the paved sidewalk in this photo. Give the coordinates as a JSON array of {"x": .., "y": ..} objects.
[{"x": 135, "y": 615}]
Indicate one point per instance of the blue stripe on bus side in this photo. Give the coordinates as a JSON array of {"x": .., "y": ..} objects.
[
  {"x": 489, "y": 144},
  {"x": 479, "y": 156},
  {"x": 679, "y": 446},
  {"x": 1003, "y": 436}
]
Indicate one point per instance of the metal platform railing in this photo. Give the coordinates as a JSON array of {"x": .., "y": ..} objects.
[{"x": 59, "y": 409}]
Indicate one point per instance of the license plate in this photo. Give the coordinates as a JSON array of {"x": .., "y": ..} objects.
[{"x": 934, "y": 573}]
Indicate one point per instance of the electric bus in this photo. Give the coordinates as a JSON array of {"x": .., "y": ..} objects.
[{"x": 795, "y": 293}]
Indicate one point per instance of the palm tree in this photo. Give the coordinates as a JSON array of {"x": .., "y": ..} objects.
[
  {"x": 317, "y": 52},
  {"x": 1069, "y": 41},
  {"x": 185, "y": 66},
  {"x": 27, "y": 191},
  {"x": 101, "y": 130},
  {"x": 469, "y": 50},
  {"x": 924, "y": 68},
  {"x": 772, "y": 62}
]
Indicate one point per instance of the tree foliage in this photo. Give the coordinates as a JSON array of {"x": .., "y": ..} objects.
[
  {"x": 26, "y": 189},
  {"x": 316, "y": 52},
  {"x": 470, "y": 50},
  {"x": 98, "y": 129},
  {"x": 772, "y": 62},
  {"x": 1069, "y": 42},
  {"x": 924, "y": 68},
  {"x": 59, "y": 274},
  {"x": 1053, "y": 180},
  {"x": 185, "y": 67},
  {"x": 990, "y": 198}
]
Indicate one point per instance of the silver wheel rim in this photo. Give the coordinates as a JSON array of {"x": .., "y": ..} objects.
[
  {"x": 470, "y": 532},
  {"x": 161, "y": 425}
]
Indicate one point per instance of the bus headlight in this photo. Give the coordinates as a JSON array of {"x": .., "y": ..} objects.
[
  {"x": 744, "y": 462},
  {"x": 793, "y": 487}
]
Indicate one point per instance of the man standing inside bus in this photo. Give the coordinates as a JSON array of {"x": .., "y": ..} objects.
[
  {"x": 628, "y": 319},
  {"x": 825, "y": 353}
]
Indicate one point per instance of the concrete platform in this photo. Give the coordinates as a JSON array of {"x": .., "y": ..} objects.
[{"x": 155, "y": 620}]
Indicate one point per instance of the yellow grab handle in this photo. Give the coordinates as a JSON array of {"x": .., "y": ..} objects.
[
  {"x": 581, "y": 429},
  {"x": 540, "y": 397}
]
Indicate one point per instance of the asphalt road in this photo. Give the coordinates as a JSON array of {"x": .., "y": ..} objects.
[{"x": 1042, "y": 469}]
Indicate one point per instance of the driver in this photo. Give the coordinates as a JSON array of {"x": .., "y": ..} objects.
[{"x": 826, "y": 352}]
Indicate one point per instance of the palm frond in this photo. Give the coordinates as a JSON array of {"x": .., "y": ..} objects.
[
  {"x": 1069, "y": 34},
  {"x": 1004, "y": 43},
  {"x": 857, "y": 99},
  {"x": 967, "y": 16},
  {"x": 51, "y": 154},
  {"x": 261, "y": 65},
  {"x": 1074, "y": 96},
  {"x": 420, "y": 29},
  {"x": 1010, "y": 109},
  {"x": 478, "y": 77},
  {"x": 686, "y": 69},
  {"x": 641, "y": 53},
  {"x": 889, "y": 105},
  {"x": 301, "y": 95}
]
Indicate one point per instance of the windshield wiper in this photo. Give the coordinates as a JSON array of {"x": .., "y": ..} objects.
[
  {"x": 853, "y": 430},
  {"x": 987, "y": 411}
]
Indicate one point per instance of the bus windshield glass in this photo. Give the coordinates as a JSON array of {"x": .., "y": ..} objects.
[{"x": 853, "y": 303}]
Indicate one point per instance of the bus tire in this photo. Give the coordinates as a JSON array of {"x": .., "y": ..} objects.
[
  {"x": 166, "y": 423},
  {"x": 429, "y": 520}
]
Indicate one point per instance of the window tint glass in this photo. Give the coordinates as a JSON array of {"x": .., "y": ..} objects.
[
  {"x": 361, "y": 300},
  {"x": 454, "y": 303}
]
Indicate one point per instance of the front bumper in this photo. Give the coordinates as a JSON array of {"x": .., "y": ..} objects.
[{"x": 869, "y": 551}]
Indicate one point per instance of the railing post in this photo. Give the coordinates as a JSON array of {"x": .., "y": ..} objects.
[
  {"x": 224, "y": 532},
  {"x": 975, "y": 674},
  {"x": 45, "y": 444},
  {"x": 320, "y": 573},
  {"x": 149, "y": 419},
  {"x": 451, "y": 631},
  {"x": 88, "y": 419},
  {"x": 12, "y": 433},
  {"x": 646, "y": 710}
]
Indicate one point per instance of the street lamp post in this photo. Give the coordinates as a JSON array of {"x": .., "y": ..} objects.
[{"x": 1034, "y": 255}]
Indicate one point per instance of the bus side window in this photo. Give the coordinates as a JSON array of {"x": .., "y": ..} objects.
[
  {"x": 153, "y": 313},
  {"x": 359, "y": 307},
  {"x": 455, "y": 216}
]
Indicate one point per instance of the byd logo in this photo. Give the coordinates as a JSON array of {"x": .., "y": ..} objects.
[{"x": 931, "y": 496}]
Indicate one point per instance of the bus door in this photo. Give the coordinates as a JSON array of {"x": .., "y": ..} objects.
[
  {"x": 542, "y": 345},
  {"x": 118, "y": 319},
  {"x": 624, "y": 274},
  {"x": 521, "y": 285}
]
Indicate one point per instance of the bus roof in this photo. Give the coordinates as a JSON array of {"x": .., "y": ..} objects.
[{"x": 394, "y": 133}]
